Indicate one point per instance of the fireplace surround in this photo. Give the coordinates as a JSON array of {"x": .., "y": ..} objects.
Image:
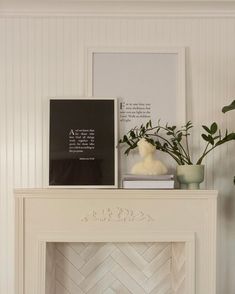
[{"x": 48, "y": 219}]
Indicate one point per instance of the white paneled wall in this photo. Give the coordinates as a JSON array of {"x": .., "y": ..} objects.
[{"x": 42, "y": 57}]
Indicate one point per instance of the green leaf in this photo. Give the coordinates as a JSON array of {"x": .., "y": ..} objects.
[
  {"x": 125, "y": 139},
  {"x": 204, "y": 136},
  {"x": 169, "y": 133},
  {"x": 188, "y": 123},
  {"x": 132, "y": 134},
  {"x": 214, "y": 128},
  {"x": 220, "y": 142},
  {"x": 165, "y": 145},
  {"x": 208, "y": 138},
  {"x": 129, "y": 143},
  {"x": 211, "y": 140},
  {"x": 127, "y": 151},
  {"x": 157, "y": 130},
  {"x": 230, "y": 137},
  {"x": 151, "y": 141},
  {"x": 206, "y": 129},
  {"x": 229, "y": 107},
  {"x": 179, "y": 137}
]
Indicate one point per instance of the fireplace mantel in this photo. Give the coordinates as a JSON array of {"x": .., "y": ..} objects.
[{"x": 118, "y": 215}]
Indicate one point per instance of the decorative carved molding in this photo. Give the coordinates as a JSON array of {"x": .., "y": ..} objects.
[{"x": 117, "y": 214}]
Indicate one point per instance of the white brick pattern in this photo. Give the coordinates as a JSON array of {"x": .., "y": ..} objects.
[{"x": 123, "y": 268}]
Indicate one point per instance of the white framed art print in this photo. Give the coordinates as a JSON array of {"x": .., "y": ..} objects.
[{"x": 149, "y": 84}]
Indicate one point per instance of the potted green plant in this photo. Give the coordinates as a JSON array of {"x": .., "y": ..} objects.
[
  {"x": 225, "y": 109},
  {"x": 175, "y": 142}
]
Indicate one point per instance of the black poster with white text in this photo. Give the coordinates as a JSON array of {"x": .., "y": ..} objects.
[{"x": 82, "y": 142}]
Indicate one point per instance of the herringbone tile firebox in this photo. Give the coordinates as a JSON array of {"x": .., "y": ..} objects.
[{"x": 123, "y": 268}]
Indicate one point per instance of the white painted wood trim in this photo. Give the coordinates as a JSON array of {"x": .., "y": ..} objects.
[
  {"x": 115, "y": 193},
  {"x": 117, "y": 8},
  {"x": 38, "y": 234},
  {"x": 19, "y": 247},
  {"x": 212, "y": 220}
]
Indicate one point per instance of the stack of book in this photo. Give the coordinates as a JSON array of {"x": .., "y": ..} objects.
[{"x": 131, "y": 181}]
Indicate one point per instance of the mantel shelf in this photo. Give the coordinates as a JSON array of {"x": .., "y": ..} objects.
[{"x": 115, "y": 193}]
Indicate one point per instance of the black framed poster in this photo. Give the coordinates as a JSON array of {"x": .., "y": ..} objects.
[{"x": 83, "y": 142}]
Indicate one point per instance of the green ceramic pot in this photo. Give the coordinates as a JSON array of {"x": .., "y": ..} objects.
[{"x": 190, "y": 176}]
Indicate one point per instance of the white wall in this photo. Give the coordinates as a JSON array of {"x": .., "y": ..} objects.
[{"x": 42, "y": 57}]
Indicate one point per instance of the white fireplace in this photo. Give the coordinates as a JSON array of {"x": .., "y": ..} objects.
[{"x": 115, "y": 241}]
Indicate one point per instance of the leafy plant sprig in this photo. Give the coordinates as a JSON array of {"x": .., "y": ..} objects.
[
  {"x": 174, "y": 141},
  {"x": 225, "y": 109},
  {"x": 229, "y": 107}
]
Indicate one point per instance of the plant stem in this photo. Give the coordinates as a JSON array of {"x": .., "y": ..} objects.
[
  {"x": 205, "y": 153},
  {"x": 183, "y": 158},
  {"x": 187, "y": 146},
  {"x": 178, "y": 143},
  {"x": 180, "y": 162},
  {"x": 186, "y": 154}
]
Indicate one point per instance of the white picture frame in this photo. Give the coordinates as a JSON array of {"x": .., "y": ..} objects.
[
  {"x": 118, "y": 72},
  {"x": 81, "y": 155}
]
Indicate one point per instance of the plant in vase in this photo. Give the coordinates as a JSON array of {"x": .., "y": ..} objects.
[
  {"x": 227, "y": 108},
  {"x": 175, "y": 142}
]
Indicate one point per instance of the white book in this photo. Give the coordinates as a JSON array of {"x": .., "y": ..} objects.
[
  {"x": 148, "y": 184},
  {"x": 133, "y": 177}
]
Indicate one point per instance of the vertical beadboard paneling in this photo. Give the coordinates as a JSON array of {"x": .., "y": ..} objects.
[
  {"x": 9, "y": 92},
  {"x": 3, "y": 162},
  {"x": 24, "y": 48},
  {"x": 42, "y": 57},
  {"x": 17, "y": 106},
  {"x": 40, "y": 74}
]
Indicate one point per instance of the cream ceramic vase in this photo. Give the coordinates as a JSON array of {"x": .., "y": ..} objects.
[{"x": 190, "y": 176}]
